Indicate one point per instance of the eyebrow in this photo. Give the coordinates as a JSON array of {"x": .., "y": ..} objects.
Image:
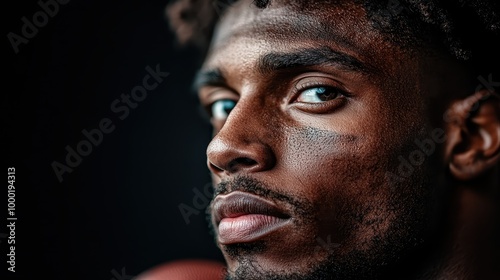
[
  {"x": 310, "y": 57},
  {"x": 272, "y": 62},
  {"x": 212, "y": 77}
]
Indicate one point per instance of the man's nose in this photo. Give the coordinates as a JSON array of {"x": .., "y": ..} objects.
[{"x": 240, "y": 146}]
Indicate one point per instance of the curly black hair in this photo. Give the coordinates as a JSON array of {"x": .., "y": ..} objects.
[{"x": 468, "y": 30}]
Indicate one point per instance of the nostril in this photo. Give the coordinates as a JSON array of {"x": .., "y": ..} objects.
[
  {"x": 245, "y": 161},
  {"x": 241, "y": 162}
]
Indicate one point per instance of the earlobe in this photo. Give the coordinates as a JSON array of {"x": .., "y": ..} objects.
[{"x": 473, "y": 143}]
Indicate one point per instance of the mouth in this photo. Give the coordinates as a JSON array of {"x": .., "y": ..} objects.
[{"x": 242, "y": 217}]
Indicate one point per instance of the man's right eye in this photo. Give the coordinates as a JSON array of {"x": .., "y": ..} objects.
[{"x": 220, "y": 109}]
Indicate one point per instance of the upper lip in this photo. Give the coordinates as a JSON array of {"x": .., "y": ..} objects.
[{"x": 239, "y": 203}]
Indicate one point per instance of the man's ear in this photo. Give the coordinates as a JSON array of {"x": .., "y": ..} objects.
[{"x": 473, "y": 142}]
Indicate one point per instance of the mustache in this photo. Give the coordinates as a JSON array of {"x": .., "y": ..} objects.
[{"x": 299, "y": 206}]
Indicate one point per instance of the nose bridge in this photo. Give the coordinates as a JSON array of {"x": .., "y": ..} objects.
[
  {"x": 244, "y": 120},
  {"x": 242, "y": 144}
]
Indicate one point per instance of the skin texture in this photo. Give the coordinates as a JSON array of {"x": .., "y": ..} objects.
[{"x": 331, "y": 164}]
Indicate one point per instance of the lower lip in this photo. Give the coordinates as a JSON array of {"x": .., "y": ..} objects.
[{"x": 248, "y": 228}]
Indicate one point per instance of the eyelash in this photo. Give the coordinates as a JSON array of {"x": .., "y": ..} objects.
[
  {"x": 324, "y": 107},
  {"x": 310, "y": 85}
]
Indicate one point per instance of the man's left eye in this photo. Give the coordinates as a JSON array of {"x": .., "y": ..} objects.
[
  {"x": 318, "y": 94},
  {"x": 220, "y": 109}
]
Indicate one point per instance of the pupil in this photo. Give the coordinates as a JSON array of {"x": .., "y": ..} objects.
[
  {"x": 323, "y": 94},
  {"x": 228, "y": 106}
]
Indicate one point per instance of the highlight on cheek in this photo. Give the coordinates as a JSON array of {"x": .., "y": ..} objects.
[
  {"x": 323, "y": 136},
  {"x": 318, "y": 141}
]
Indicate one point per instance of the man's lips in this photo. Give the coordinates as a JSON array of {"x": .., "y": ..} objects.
[{"x": 242, "y": 217}]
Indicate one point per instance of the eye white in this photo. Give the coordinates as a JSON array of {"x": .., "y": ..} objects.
[
  {"x": 312, "y": 95},
  {"x": 222, "y": 108}
]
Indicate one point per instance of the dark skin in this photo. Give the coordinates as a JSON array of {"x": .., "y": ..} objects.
[{"x": 312, "y": 108}]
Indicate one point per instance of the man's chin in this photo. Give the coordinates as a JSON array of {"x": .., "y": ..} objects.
[
  {"x": 256, "y": 268},
  {"x": 254, "y": 261},
  {"x": 235, "y": 252}
]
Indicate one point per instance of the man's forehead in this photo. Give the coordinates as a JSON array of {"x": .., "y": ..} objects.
[
  {"x": 343, "y": 25},
  {"x": 246, "y": 35}
]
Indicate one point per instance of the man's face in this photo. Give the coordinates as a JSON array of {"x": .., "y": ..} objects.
[{"x": 313, "y": 112}]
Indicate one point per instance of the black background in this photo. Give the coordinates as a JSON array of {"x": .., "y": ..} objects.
[{"x": 118, "y": 209}]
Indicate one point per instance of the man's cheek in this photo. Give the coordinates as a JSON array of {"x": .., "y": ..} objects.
[{"x": 309, "y": 147}]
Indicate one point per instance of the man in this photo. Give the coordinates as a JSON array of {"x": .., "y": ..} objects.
[{"x": 353, "y": 139}]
